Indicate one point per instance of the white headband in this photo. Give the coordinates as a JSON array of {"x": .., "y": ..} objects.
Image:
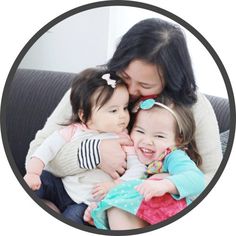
[{"x": 149, "y": 103}]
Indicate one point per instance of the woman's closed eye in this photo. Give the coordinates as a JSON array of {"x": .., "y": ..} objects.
[{"x": 146, "y": 86}]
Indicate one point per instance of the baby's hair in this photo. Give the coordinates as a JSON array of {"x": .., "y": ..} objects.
[
  {"x": 185, "y": 128},
  {"x": 86, "y": 84}
]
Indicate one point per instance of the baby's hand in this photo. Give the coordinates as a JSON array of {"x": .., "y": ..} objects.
[
  {"x": 152, "y": 188},
  {"x": 33, "y": 181},
  {"x": 100, "y": 190}
]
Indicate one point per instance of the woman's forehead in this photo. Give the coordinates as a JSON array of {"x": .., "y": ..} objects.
[{"x": 141, "y": 71}]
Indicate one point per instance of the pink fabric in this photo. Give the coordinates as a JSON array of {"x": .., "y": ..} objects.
[
  {"x": 69, "y": 131},
  {"x": 160, "y": 208}
]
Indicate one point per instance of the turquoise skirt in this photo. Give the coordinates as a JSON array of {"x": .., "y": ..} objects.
[{"x": 125, "y": 197}]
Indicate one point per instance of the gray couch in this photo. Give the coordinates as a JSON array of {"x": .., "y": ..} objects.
[{"x": 33, "y": 96}]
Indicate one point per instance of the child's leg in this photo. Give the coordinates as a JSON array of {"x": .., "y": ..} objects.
[
  {"x": 122, "y": 220},
  {"x": 52, "y": 189},
  {"x": 51, "y": 205},
  {"x": 75, "y": 212},
  {"x": 87, "y": 214}
]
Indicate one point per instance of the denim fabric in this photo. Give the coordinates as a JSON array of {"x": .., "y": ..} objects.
[
  {"x": 52, "y": 189},
  {"x": 75, "y": 212}
]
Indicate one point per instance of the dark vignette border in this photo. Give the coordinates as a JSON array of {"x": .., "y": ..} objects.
[{"x": 137, "y": 5}]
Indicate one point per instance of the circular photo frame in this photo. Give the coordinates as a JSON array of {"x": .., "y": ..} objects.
[{"x": 44, "y": 69}]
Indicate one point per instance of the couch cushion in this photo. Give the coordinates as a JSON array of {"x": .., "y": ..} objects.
[
  {"x": 222, "y": 111},
  {"x": 224, "y": 136},
  {"x": 27, "y": 109}
]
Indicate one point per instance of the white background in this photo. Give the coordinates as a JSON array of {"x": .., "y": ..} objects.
[
  {"x": 20, "y": 20},
  {"x": 89, "y": 38}
]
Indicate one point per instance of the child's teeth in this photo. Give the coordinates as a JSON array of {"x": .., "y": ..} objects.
[{"x": 146, "y": 150}]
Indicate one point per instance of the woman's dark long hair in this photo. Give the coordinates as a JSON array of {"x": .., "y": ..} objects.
[{"x": 163, "y": 44}]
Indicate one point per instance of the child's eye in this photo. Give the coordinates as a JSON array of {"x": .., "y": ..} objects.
[
  {"x": 113, "y": 111},
  {"x": 159, "y": 136},
  {"x": 139, "y": 131},
  {"x": 125, "y": 108}
]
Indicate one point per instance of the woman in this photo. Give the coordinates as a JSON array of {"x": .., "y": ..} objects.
[{"x": 152, "y": 58}]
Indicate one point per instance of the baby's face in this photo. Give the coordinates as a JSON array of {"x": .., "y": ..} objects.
[
  {"x": 153, "y": 132},
  {"x": 114, "y": 115}
]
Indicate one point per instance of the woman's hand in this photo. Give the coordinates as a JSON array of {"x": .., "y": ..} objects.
[
  {"x": 33, "y": 180},
  {"x": 112, "y": 156},
  {"x": 156, "y": 188}
]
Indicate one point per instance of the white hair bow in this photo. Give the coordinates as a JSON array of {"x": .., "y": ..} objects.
[{"x": 110, "y": 81}]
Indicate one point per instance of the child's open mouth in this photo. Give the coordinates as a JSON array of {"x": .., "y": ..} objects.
[{"x": 147, "y": 152}]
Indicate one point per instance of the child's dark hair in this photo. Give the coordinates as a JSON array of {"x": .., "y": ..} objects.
[{"x": 83, "y": 89}]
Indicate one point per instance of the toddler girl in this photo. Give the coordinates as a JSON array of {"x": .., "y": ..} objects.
[{"x": 163, "y": 140}]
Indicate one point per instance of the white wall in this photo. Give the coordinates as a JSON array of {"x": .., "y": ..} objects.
[
  {"x": 89, "y": 38},
  {"x": 208, "y": 76},
  {"x": 77, "y": 42}
]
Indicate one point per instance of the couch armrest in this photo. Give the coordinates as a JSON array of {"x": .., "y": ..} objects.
[{"x": 222, "y": 111}]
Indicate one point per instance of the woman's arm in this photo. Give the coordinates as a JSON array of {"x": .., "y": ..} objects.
[{"x": 207, "y": 137}]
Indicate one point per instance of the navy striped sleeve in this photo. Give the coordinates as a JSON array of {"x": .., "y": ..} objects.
[{"x": 88, "y": 154}]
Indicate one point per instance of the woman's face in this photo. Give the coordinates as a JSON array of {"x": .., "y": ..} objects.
[{"x": 142, "y": 79}]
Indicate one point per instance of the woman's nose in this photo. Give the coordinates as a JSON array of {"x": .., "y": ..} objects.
[{"x": 133, "y": 89}]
